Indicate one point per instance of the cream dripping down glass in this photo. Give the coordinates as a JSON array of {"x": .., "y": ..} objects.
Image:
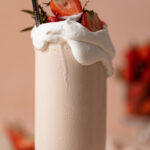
[{"x": 71, "y": 69}]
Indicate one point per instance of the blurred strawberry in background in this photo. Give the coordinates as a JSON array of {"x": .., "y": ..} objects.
[
  {"x": 20, "y": 138},
  {"x": 136, "y": 74}
]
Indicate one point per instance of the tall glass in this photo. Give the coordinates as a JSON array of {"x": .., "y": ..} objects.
[{"x": 70, "y": 101}]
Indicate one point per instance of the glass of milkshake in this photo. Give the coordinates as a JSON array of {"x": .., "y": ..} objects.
[{"x": 72, "y": 64}]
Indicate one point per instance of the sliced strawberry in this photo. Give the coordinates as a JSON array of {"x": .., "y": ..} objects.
[
  {"x": 19, "y": 139},
  {"x": 24, "y": 144},
  {"x": 52, "y": 19},
  {"x": 15, "y": 134},
  {"x": 65, "y": 7},
  {"x": 91, "y": 21}
]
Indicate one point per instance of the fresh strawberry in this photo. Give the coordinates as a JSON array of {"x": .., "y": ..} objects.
[
  {"x": 145, "y": 108},
  {"x": 24, "y": 144},
  {"x": 52, "y": 19},
  {"x": 19, "y": 139},
  {"x": 128, "y": 74},
  {"x": 144, "y": 53},
  {"x": 91, "y": 21},
  {"x": 146, "y": 75},
  {"x": 132, "y": 56},
  {"x": 136, "y": 92},
  {"x": 65, "y": 7}
]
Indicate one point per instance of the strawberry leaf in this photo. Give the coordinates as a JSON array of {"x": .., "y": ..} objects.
[
  {"x": 43, "y": 15},
  {"x": 28, "y": 11},
  {"x": 27, "y": 29},
  {"x": 85, "y": 5}
]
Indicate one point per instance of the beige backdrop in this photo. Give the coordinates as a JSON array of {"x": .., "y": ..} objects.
[{"x": 128, "y": 21}]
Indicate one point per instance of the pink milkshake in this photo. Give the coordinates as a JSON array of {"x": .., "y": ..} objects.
[
  {"x": 72, "y": 64},
  {"x": 70, "y": 106}
]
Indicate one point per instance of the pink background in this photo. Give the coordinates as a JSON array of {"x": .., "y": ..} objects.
[{"x": 128, "y": 20}]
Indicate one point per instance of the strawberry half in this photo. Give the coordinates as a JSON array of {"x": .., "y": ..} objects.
[
  {"x": 65, "y": 7},
  {"x": 91, "y": 21},
  {"x": 52, "y": 19},
  {"x": 19, "y": 139}
]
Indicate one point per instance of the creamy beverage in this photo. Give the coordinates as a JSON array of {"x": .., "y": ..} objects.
[
  {"x": 73, "y": 58},
  {"x": 70, "y": 86},
  {"x": 70, "y": 107}
]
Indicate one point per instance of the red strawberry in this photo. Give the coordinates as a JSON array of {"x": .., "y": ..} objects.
[
  {"x": 91, "y": 21},
  {"x": 145, "y": 108},
  {"x": 65, "y": 7},
  {"x": 132, "y": 56},
  {"x": 146, "y": 74},
  {"x": 128, "y": 75},
  {"x": 144, "y": 53},
  {"x": 19, "y": 139},
  {"x": 52, "y": 19},
  {"x": 24, "y": 144},
  {"x": 136, "y": 93}
]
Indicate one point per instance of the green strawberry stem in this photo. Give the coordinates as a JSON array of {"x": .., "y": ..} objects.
[
  {"x": 85, "y": 5},
  {"x": 42, "y": 13},
  {"x": 30, "y": 12},
  {"x": 27, "y": 29}
]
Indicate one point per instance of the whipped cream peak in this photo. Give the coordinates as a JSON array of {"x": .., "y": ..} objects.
[{"x": 87, "y": 47}]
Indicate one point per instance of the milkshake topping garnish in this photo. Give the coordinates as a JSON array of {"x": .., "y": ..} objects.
[
  {"x": 91, "y": 21},
  {"x": 64, "y": 9}
]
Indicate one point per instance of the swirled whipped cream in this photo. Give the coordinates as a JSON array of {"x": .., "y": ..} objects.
[{"x": 87, "y": 47}]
